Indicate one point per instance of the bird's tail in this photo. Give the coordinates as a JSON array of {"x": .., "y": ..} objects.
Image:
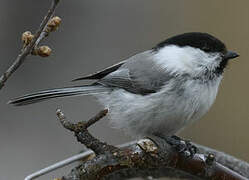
[{"x": 61, "y": 92}]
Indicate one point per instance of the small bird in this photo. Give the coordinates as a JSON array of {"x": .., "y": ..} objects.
[{"x": 158, "y": 91}]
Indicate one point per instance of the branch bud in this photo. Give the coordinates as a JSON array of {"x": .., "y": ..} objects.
[
  {"x": 43, "y": 51},
  {"x": 27, "y": 37},
  {"x": 53, "y": 24},
  {"x": 210, "y": 159}
]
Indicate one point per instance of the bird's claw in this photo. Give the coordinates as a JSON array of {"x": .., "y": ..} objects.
[{"x": 182, "y": 146}]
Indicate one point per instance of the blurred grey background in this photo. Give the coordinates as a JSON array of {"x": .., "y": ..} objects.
[{"x": 95, "y": 34}]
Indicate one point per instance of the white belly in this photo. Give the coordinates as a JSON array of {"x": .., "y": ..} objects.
[{"x": 165, "y": 112}]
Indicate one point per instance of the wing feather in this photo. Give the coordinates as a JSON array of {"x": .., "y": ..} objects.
[
  {"x": 140, "y": 74},
  {"x": 102, "y": 73}
]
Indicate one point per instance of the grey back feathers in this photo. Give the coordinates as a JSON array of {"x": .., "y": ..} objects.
[{"x": 139, "y": 74}]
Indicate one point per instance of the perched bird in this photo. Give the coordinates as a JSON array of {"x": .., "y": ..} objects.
[{"x": 159, "y": 91}]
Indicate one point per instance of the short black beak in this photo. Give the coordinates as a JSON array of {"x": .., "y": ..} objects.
[{"x": 230, "y": 55}]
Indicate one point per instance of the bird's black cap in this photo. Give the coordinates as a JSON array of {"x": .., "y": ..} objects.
[{"x": 203, "y": 41}]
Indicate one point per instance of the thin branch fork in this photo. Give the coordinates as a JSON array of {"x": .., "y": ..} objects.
[
  {"x": 27, "y": 49},
  {"x": 83, "y": 135},
  {"x": 145, "y": 155}
]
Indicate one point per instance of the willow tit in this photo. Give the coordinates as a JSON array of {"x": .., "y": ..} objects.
[{"x": 159, "y": 91}]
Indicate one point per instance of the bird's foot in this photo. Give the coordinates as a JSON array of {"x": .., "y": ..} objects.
[{"x": 180, "y": 145}]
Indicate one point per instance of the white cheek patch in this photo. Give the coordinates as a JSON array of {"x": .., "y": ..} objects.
[
  {"x": 173, "y": 59},
  {"x": 190, "y": 60}
]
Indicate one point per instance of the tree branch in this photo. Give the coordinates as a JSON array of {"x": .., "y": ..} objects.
[
  {"x": 227, "y": 160},
  {"x": 27, "y": 49},
  {"x": 144, "y": 156}
]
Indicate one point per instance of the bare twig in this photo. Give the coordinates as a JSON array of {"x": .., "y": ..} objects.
[
  {"x": 83, "y": 135},
  {"x": 29, "y": 48},
  {"x": 51, "y": 26},
  {"x": 96, "y": 118}
]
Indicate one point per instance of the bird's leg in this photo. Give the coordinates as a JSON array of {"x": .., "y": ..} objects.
[{"x": 180, "y": 145}]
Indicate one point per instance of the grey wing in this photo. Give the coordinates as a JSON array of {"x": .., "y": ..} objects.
[{"x": 139, "y": 74}]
